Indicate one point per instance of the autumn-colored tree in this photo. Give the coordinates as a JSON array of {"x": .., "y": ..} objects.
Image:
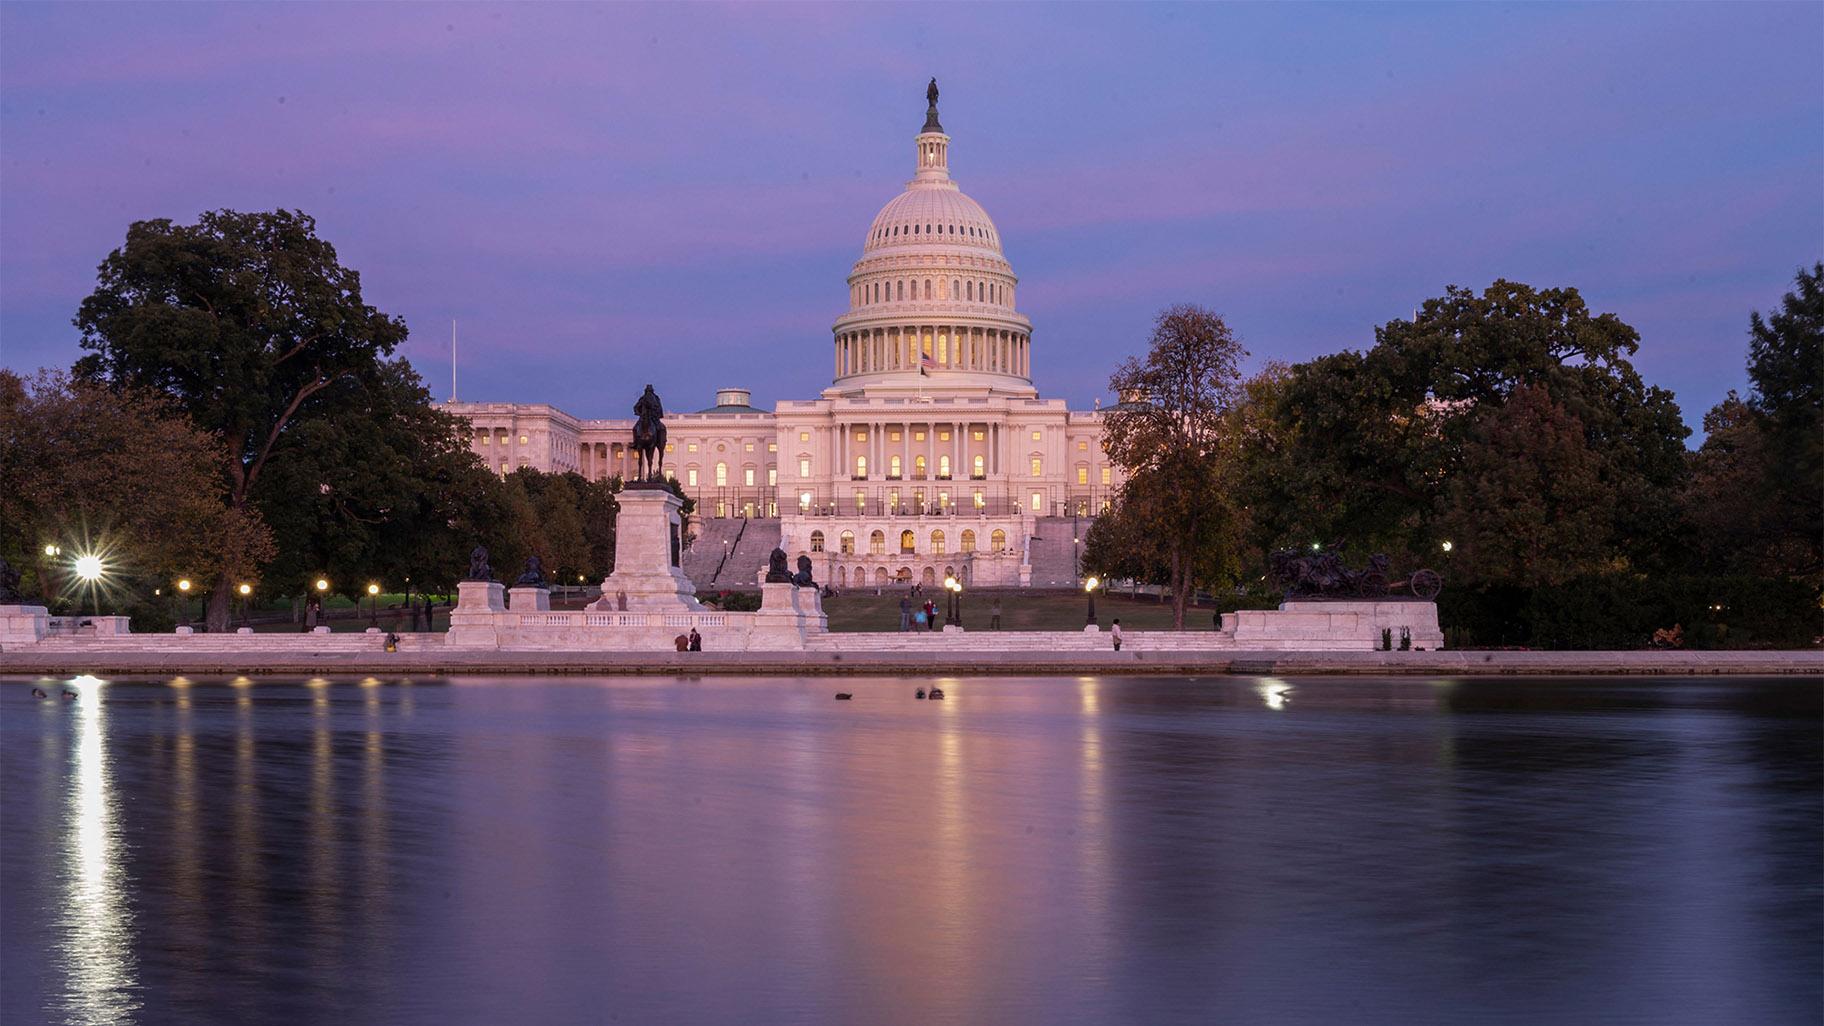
[
  {"x": 248, "y": 323},
  {"x": 1166, "y": 436},
  {"x": 120, "y": 474}
]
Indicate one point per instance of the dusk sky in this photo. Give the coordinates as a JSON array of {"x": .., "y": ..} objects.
[{"x": 605, "y": 196}]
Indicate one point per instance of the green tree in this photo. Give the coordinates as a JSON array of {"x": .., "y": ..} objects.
[
  {"x": 1786, "y": 366},
  {"x": 123, "y": 475},
  {"x": 247, "y": 322},
  {"x": 1166, "y": 436},
  {"x": 1368, "y": 446}
]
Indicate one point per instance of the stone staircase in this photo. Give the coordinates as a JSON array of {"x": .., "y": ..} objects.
[
  {"x": 287, "y": 643},
  {"x": 1053, "y": 561},
  {"x": 1020, "y": 641},
  {"x": 750, "y": 540},
  {"x": 704, "y": 557}
]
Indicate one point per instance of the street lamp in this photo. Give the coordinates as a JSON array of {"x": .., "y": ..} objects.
[
  {"x": 1089, "y": 588},
  {"x": 183, "y": 588},
  {"x": 89, "y": 568},
  {"x": 373, "y": 605},
  {"x": 246, "y": 591},
  {"x": 1448, "y": 546},
  {"x": 954, "y": 613}
]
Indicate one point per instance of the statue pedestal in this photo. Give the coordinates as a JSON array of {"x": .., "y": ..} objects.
[
  {"x": 23, "y": 625},
  {"x": 529, "y": 600},
  {"x": 648, "y": 548},
  {"x": 472, "y": 623},
  {"x": 787, "y": 614},
  {"x": 1335, "y": 625}
]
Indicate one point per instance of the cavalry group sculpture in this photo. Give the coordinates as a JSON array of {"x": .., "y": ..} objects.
[{"x": 1321, "y": 573}]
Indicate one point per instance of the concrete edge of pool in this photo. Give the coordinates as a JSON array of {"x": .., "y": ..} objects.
[{"x": 936, "y": 663}]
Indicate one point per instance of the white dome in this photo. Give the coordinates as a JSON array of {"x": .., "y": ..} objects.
[{"x": 923, "y": 216}]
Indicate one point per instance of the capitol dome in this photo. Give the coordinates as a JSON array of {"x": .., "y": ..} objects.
[{"x": 931, "y": 301}]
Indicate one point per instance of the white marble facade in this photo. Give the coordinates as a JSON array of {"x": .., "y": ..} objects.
[{"x": 930, "y": 448}]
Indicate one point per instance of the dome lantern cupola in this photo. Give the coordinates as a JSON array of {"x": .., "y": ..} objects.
[{"x": 933, "y": 145}]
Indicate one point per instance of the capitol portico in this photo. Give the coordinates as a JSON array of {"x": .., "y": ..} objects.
[{"x": 930, "y": 453}]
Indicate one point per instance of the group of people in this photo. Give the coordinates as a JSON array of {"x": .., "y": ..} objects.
[
  {"x": 925, "y": 615},
  {"x": 692, "y": 642}
]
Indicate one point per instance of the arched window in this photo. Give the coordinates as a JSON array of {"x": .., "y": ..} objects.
[
  {"x": 918, "y": 467},
  {"x": 927, "y": 288},
  {"x": 937, "y": 542},
  {"x": 929, "y": 579},
  {"x": 893, "y": 466},
  {"x": 845, "y": 543},
  {"x": 861, "y": 466},
  {"x": 1038, "y": 467},
  {"x": 969, "y": 291},
  {"x": 981, "y": 467},
  {"x": 877, "y": 543},
  {"x": 997, "y": 542},
  {"x": 880, "y": 575},
  {"x": 967, "y": 542},
  {"x": 907, "y": 543},
  {"x": 943, "y": 466},
  {"x": 816, "y": 541},
  {"x": 721, "y": 475},
  {"x": 956, "y": 288},
  {"x": 842, "y": 576},
  {"x": 902, "y": 290}
]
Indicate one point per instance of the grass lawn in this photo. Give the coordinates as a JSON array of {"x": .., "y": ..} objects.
[{"x": 1020, "y": 611}]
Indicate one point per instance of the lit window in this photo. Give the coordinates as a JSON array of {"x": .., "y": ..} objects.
[
  {"x": 861, "y": 500},
  {"x": 1082, "y": 445},
  {"x": 918, "y": 466},
  {"x": 981, "y": 467},
  {"x": 692, "y": 447},
  {"x": 772, "y": 476},
  {"x": 907, "y": 543},
  {"x": 943, "y": 436},
  {"x": 816, "y": 541},
  {"x": 804, "y": 466},
  {"x": 1036, "y": 436},
  {"x": 1038, "y": 502},
  {"x": 772, "y": 447},
  {"x": 861, "y": 466},
  {"x": 918, "y": 436},
  {"x": 893, "y": 466},
  {"x": 943, "y": 466},
  {"x": 1083, "y": 475},
  {"x": 749, "y": 447},
  {"x": 748, "y": 476},
  {"x": 892, "y": 436},
  {"x": 1038, "y": 467},
  {"x": 937, "y": 543},
  {"x": 877, "y": 543},
  {"x": 980, "y": 499},
  {"x": 967, "y": 542},
  {"x": 669, "y": 446},
  {"x": 804, "y": 500},
  {"x": 1105, "y": 475},
  {"x": 522, "y": 439},
  {"x": 861, "y": 436},
  {"x": 845, "y": 542},
  {"x": 998, "y": 540},
  {"x": 690, "y": 477},
  {"x": 979, "y": 436},
  {"x": 804, "y": 436},
  {"x": 721, "y": 475}
]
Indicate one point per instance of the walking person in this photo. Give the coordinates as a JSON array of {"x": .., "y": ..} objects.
[
  {"x": 905, "y": 613},
  {"x": 930, "y": 615},
  {"x": 994, "y": 614},
  {"x": 1116, "y": 632},
  {"x": 696, "y": 640}
]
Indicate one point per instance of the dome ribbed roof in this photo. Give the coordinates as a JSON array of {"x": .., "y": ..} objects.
[{"x": 923, "y": 217}]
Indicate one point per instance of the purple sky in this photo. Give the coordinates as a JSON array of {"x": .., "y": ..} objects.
[{"x": 610, "y": 195}]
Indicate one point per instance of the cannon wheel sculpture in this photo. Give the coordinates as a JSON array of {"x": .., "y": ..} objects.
[{"x": 1425, "y": 584}]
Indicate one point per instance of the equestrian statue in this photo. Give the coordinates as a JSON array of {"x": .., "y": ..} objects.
[{"x": 649, "y": 436}]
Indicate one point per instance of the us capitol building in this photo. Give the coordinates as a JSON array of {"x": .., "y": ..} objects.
[{"x": 929, "y": 454}]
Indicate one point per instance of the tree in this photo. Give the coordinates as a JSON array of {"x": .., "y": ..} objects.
[
  {"x": 123, "y": 475},
  {"x": 1786, "y": 366},
  {"x": 1165, "y": 435},
  {"x": 1368, "y": 446},
  {"x": 247, "y": 322},
  {"x": 1731, "y": 526}
]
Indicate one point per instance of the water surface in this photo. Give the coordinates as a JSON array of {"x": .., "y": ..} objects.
[{"x": 1135, "y": 850}]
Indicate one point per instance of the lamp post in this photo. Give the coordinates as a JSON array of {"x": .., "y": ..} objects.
[
  {"x": 953, "y": 614},
  {"x": 373, "y": 606},
  {"x": 89, "y": 568},
  {"x": 183, "y": 590},
  {"x": 1089, "y": 588},
  {"x": 246, "y": 591}
]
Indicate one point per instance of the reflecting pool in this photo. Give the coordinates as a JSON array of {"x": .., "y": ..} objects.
[{"x": 1062, "y": 850}]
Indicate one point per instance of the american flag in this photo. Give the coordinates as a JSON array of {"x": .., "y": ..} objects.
[{"x": 926, "y": 364}]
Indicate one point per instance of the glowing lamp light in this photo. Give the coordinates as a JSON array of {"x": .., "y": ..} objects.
[
  {"x": 1448, "y": 546},
  {"x": 1315, "y": 546},
  {"x": 322, "y": 585},
  {"x": 184, "y": 586},
  {"x": 89, "y": 567},
  {"x": 52, "y": 550},
  {"x": 373, "y": 589},
  {"x": 1092, "y": 584},
  {"x": 245, "y": 590}
]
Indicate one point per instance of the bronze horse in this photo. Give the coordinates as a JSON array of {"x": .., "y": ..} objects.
[{"x": 649, "y": 436}]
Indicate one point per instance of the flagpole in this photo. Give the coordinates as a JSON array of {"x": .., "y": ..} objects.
[{"x": 452, "y": 359}]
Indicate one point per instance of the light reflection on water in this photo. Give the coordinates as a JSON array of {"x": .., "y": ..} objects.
[{"x": 1072, "y": 850}]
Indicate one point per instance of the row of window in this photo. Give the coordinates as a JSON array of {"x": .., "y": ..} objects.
[
  {"x": 805, "y": 500},
  {"x": 747, "y": 476},
  {"x": 965, "y": 231},
  {"x": 966, "y": 289},
  {"x": 908, "y": 542}
]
